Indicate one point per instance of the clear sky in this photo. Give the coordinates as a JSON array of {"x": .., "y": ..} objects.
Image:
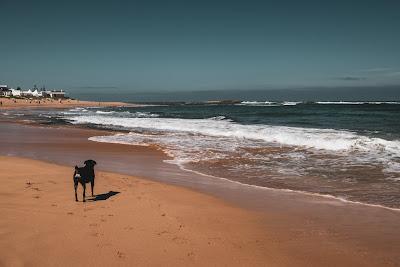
[{"x": 199, "y": 45}]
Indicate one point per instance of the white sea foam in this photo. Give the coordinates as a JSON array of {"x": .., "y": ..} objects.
[
  {"x": 259, "y": 103},
  {"x": 293, "y": 103},
  {"x": 339, "y": 103},
  {"x": 356, "y": 103},
  {"x": 326, "y": 139},
  {"x": 104, "y": 112},
  {"x": 139, "y": 114},
  {"x": 76, "y": 110},
  {"x": 289, "y": 103}
]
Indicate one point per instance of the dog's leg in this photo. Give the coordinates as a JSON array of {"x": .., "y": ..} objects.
[
  {"x": 92, "y": 185},
  {"x": 76, "y": 186},
  {"x": 84, "y": 191}
]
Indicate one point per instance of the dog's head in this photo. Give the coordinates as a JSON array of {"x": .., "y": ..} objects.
[{"x": 90, "y": 163}]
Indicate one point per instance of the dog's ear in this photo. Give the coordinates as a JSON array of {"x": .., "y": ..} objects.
[{"x": 76, "y": 167}]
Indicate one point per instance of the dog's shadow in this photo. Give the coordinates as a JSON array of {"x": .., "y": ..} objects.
[{"x": 104, "y": 196}]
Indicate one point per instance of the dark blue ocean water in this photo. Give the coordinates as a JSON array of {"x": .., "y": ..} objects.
[{"x": 371, "y": 119}]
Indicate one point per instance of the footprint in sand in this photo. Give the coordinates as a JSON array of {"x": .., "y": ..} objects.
[
  {"x": 93, "y": 224},
  {"x": 37, "y": 197},
  {"x": 70, "y": 213},
  {"x": 120, "y": 254},
  {"x": 54, "y": 205},
  {"x": 163, "y": 232}
]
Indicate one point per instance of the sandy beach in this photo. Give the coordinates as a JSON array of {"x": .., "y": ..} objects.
[
  {"x": 12, "y": 103},
  {"x": 144, "y": 223},
  {"x": 167, "y": 217},
  {"x": 215, "y": 133}
]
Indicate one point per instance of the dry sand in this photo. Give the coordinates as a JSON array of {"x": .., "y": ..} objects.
[
  {"x": 8, "y": 103},
  {"x": 146, "y": 224}
]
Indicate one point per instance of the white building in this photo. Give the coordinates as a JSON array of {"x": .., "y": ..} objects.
[
  {"x": 27, "y": 93},
  {"x": 36, "y": 93},
  {"x": 15, "y": 92},
  {"x": 5, "y": 91},
  {"x": 54, "y": 94}
]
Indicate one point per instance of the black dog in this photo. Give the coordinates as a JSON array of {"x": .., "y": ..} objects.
[{"x": 84, "y": 175}]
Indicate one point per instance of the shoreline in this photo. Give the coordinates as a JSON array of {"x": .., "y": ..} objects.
[
  {"x": 182, "y": 168},
  {"x": 354, "y": 227},
  {"x": 283, "y": 190},
  {"x": 286, "y": 190},
  {"x": 165, "y": 157},
  {"x": 15, "y": 103},
  {"x": 99, "y": 132}
]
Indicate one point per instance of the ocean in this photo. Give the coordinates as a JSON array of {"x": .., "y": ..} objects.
[{"x": 346, "y": 150}]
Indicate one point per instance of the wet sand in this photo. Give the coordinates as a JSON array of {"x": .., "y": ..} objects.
[{"x": 293, "y": 229}]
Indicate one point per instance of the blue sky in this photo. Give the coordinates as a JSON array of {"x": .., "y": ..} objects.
[{"x": 199, "y": 45}]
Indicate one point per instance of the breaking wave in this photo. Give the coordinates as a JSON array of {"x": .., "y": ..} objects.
[
  {"x": 294, "y": 103},
  {"x": 326, "y": 139}
]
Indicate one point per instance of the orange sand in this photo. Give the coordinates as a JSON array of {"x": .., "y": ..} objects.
[
  {"x": 8, "y": 103},
  {"x": 146, "y": 224}
]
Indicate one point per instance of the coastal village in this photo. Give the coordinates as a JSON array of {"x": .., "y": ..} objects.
[
  {"x": 6, "y": 91},
  {"x": 41, "y": 97}
]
